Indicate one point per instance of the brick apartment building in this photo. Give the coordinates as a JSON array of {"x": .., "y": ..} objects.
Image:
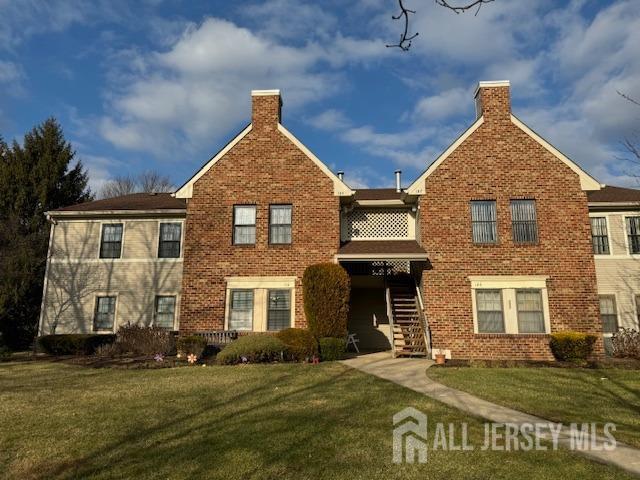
[{"x": 482, "y": 256}]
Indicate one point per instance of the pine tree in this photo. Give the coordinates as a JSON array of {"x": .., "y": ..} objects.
[{"x": 35, "y": 177}]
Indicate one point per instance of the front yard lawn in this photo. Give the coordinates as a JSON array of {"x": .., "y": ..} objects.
[
  {"x": 258, "y": 421},
  {"x": 559, "y": 394}
]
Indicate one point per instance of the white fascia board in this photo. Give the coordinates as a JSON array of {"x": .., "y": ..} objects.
[
  {"x": 417, "y": 187},
  {"x": 381, "y": 256},
  {"x": 381, "y": 203},
  {"x": 118, "y": 213},
  {"x": 186, "y": 191},
  {"x": 587, "y": 182},
  {"x": 340, "y": 188}
]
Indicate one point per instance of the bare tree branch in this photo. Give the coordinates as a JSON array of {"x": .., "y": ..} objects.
[
  {"x": 148, "y": 182},
  {"x": 627, "y": 97},
  {"x": 405, "y": 39}
]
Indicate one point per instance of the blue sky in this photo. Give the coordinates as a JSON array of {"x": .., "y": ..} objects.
[{"x": 164, "y": 84}]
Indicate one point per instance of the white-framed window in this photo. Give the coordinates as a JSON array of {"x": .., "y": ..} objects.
[
  {"x": 599, "y": 236},
  {"x": 633, "y": 234},
  {"x": 510, "y": 305},
  {"x": 530, "y": 311},
  {"x": 169, "y": 240},
  {"x": 111, "y": 240},
  {"x": 280, "y": 220},
  {"x": 244, "y": 224},
  {"x": 279, "y": 310},
  {"x": 484, "y": 217},
  {"x": 608, "y": 313},
  {"x": 165, "y": 312},
  {"x": 490, "y": 311},
  {"x": 524, "y": 222},
  {"x": 104, "y": 314},
  {"x": 241, "y": 310}
]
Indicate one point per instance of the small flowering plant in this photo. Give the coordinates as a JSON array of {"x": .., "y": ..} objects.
[
  {"x": 159, "y": 357},
  {"x": 191, "y": 358}
]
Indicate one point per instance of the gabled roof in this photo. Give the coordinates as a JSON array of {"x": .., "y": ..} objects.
[
  {"x": 133, "y": 202},
  {"x": 587, "y": 182},
  {"x": 611, "y": 194},
  {"x": 339, "y": 187}
]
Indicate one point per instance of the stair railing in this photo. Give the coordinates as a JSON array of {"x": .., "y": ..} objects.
[
  {"x": 423, "y": 320},
  {"x": 387, "y": 292}
]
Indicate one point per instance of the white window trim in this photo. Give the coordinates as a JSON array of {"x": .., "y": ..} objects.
[
  {"x": 179, "y": 257},
  {"x": 95, "y": 308},
  {"x": 508, "y": 285},
  {"x": 606, "y": 217},
  {"x": 617, "y": 305},
  {"x": 260, "y": 287},
  {"x": 626, "y": 234},
  {"x": 176, "y": 313},
  {"x": 112, "y": 222}
]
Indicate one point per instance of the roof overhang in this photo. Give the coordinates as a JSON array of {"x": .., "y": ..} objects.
[
  {"x": 173, "y": 212},
  {"x": 365, "y": 257}
]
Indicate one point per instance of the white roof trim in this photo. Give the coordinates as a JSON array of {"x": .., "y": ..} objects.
[
  {"x": 491, "y": 83},
  {"x": 186, "y": 191},
  {"x": 120, "y": 213},
  {"x": 417, "y": 187},
  {"x": 340, "y": 188},
  {"x": 587, "y": 182},
  {"x": 381, "y": 256}
]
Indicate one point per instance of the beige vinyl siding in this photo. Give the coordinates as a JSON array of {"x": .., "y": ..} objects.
[
  {"x": 76, "y": 275},
  {"x": 619, "y": 273}
]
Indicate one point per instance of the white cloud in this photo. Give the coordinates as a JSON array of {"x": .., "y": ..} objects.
[
  {"x": 330, "y": 120},
  {"x": 446, "y": 104}
]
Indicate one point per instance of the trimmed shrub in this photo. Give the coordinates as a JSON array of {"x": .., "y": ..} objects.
[
  {"x": 141, "y": 340},
  {"x": 191, "y": 344},
  {"x": 332, "y": 348},
  {"x": 5, "y": 353},
  {"x": 253, "y": 348},
  {"x": 108, "y": 350},
  {"x": 572, "y": 346},
  {"x": 326, "y": 288},
  {"x": 73, "y": 344},
  {"x": 626, "y": 343},
  {"x": 301, "y": 344}
]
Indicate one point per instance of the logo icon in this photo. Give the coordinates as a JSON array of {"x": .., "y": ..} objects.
[{"x": 409, "y": 436}]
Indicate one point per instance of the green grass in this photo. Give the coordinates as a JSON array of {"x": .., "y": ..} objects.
[
  {"x": 558, "y": 394},
  {"x": 261, "y": 421}
]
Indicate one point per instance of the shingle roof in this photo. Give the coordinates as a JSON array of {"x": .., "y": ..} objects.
[
  {"x": 377, "y": 194},
  {"x": 377, "y": 247},
  {"x": 610, "y": 194},
  {"x": 134, "y": 201}
]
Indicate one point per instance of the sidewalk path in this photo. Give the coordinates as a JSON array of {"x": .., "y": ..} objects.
[{"x": 411, "y": 373}]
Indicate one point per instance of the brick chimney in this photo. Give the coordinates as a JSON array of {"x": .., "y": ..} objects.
[
  {"x": 493, "y": 100},
  {"x": 266, "y": 108}
]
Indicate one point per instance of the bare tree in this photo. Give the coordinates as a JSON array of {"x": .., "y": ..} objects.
[
  {"x": 405, "y": 38},
  {"x": 632, "y": 145},
  {"x": 148, "y": 181}
]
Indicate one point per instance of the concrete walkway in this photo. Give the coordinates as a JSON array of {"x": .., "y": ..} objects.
[{"x": 411, "y": 373}]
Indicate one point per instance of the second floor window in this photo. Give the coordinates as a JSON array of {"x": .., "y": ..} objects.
[
  {"x": 244, "y": 224},
  {"x": 633, "y": 234},
  {"x": 483, "y": 221},
  {"x": 524, "y": 223},
  {"x": 280, "y": 224},
  {"x": 111, "y": 241},
  {"x": 599, "y": 236},
  {"x": 169, "y": 243}
]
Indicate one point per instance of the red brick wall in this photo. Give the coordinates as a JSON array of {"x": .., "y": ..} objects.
[
  {"x": 263, "y": 168},
  {"x": 499, "y": 161}
]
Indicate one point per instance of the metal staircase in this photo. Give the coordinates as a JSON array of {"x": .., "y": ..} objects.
[{"x": 408, "y": 324}]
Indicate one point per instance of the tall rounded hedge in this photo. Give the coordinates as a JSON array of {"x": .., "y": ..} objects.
[{"x": 326, "y": 289}]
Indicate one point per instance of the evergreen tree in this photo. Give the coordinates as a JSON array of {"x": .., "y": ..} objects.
[{"x": 35, "y": 177}]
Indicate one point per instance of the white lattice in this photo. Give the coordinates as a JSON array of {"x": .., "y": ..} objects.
[{"x": 377, "y": 223}]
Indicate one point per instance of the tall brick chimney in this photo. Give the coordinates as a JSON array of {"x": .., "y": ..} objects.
[
  {"x": 493, "y": 100},
  {"x": 266, "y": 108}
]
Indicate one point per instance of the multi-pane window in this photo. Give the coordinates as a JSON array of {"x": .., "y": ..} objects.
[
  {"x": 279, "y": 312},
  {"x": 241, "y": 310},
  {"x": 280, "y": 224},
  {"x": 608, "y": 313},
  {"x": 105, "y": 314},
  {"x": 483, "y": 221},
  {"x": 165, "y": 313},
  {"x": 111, "y": 240},
  {"x": 169, "y": 243},
  {"x": 523, "y": 221},
  {"x": 530, "y": 313},
  {"x": 633, "y": 234},
  {"x": 490, "y": 312},
  {"x": 244, "y": 224},
  {"x": 599, "y": 235}
]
